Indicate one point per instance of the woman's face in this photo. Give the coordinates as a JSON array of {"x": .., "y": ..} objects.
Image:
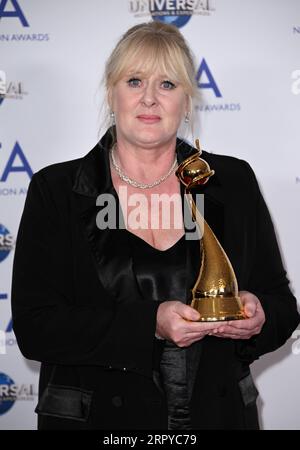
[{"x": 148, "y": 109}]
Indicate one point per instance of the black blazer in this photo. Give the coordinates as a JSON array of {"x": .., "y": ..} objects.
[{"x": 77, "y": 308}]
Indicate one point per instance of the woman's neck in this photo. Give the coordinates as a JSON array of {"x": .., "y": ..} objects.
[{"x": 144, "y": 164}]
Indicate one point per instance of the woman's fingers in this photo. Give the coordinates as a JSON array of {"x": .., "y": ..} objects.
[
  {"x": 186, "y": 311},
  {"x": 180, "y": 323}
]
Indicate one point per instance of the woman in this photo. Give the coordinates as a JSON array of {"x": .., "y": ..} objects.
[{"x": 104, "y": 308}]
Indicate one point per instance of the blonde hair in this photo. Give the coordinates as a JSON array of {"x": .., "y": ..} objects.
[{"x": 151, "y": 46}]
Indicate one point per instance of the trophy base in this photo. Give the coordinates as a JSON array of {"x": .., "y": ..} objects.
[{"x": 217, "y": 309}]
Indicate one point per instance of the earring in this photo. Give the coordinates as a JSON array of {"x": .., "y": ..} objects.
[
  {"x": 112, "y": 117},
  {"x": 187, "y": 117}
]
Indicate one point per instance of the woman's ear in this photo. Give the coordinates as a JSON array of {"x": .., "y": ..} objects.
[
  {"x": 187, "y": 108},
  {"x": 109, "y": 98},
  {"x": 188, "y": 103}
]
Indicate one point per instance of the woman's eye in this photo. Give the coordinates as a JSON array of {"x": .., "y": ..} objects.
[
  {"x": 134, "y": 82},
  {"x": 168, "y": 84}
]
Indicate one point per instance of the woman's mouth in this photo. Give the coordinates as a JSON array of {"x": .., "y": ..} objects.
[{"x": 148, "y": 118}]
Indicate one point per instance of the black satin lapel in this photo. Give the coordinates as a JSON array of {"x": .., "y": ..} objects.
[
  {"x": 110, "y": 247},
  {"x": 112, "y": 255}
]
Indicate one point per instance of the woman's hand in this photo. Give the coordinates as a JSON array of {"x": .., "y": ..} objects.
[
  {"x": 243, "y": 329},
  {"x": 178, "y": 323}
]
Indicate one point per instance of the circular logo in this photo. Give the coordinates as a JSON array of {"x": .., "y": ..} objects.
[
  {"x": 7, "y": 395},
  {"x": 6, "y": 242},
  {"x": 171, "y": 16}
]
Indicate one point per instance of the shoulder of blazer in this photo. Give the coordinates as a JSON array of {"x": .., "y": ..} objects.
[
  {"x": 227, "y": 164},
  {"x": 59, "y": 173},
  {"x": 231, "y": 173},
  {"x": 63, "y": 178}
]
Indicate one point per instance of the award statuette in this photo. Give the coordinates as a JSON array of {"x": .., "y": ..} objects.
[{"x": 215, "y": 293}]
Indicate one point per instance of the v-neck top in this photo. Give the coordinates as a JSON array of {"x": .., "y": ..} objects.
[{"x": 161, "y": 276}]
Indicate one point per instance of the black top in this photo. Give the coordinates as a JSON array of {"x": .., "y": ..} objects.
[
  {"x": 52, "y": 307},
  {"x": 161, "y": 276}
]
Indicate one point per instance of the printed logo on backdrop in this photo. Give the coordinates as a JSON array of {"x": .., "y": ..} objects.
[
  {"x": 296, "y": 29},
  {"x": 15, "y": 165},
  {"x": 174, "y": 12},
  {"x": 295, "y": 87},
  {"x": 208, "y": 84},
  {"x": 10, "y": 392},
  {"x": 6, "y": 242},
  {"x": 10, "y": 90},
  {"x": 7, "y": 336},
  {"x": 14, "y": 12},
  {"x": 2, "y": 85},
  {"x": 11, "y": 8}
]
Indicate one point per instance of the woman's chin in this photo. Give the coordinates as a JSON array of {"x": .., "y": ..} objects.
[{"x": 152, "y": 139}]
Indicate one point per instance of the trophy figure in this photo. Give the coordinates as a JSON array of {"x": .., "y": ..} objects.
[{"x": 215, "y": 293}]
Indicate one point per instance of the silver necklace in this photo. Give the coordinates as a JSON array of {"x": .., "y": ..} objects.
[{"x": 135, "y": 183}]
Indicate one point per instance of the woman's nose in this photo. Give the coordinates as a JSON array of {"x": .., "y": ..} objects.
[{"x": 149, "y": 96}]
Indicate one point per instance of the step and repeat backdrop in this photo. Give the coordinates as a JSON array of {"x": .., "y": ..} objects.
[{"x": 247, "y": 54}]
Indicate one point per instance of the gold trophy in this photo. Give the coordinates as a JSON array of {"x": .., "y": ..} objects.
[{"x": 215, "y": 293}]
